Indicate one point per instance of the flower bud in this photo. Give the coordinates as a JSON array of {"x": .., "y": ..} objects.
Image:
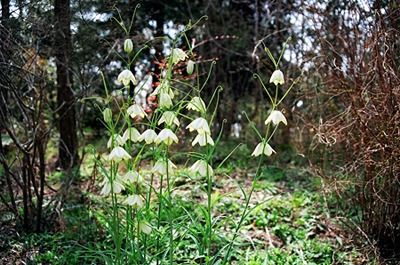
[
  {"x": 107, "y": 115},
  {"x": 190, "y": 67},
  {"x": 128, "y": 46}
]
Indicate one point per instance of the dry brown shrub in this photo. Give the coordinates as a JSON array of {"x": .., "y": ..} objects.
[{"x": 356, "y": 142}]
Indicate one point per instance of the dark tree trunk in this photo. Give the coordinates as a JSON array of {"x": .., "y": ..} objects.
[
  {"x": 5, "y": 15},
  {"x": 68, "y": 148},
  {"x": 5, "y": 9},
  {"x": 4, "y": 83},
  {"x": 158, "y": 10}
]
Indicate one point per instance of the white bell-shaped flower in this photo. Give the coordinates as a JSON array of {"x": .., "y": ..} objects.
[
  {"x": 136, "y": 110},
  {"x": 131, "y": 134},
  {"x": 115, "y": 140},
  {"x": 164, "y": 100},
  {"x": 200, "y": 125},
  {"x": 125, "y": 77},
  {"x": 277, "y": 78},
  {"x": 276, "y": 117},
  {"x": 132, "y": 177},
  {"x": 169, "y": 118},
  {"x": 263, "y": 148},
  {"x": 203, "y": 139},
  {"x": 197, "y": 104},
  {"x": 136, "y": 201},
  {"x": 160, "y": 167},
  {"x": 118, "y": 154},
  {"x": 202, "y": 168},
  {"x": 167, "y": 136},
  {"x": 115, "y": 186},
  {"x": 148, "y": 136},
  {"x": 144, "y": 227},
  {"x": 178, "y": 55}
]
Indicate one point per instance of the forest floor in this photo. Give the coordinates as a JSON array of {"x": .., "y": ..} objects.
[{"x": 293, "y": 221}]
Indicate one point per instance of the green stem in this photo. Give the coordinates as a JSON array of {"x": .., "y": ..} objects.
[
  {"x": 170, "y": 217},
  {"x": 290, "y": 88},
  {"x": 253, "y": 186},
  {"x": 283, "y": 51},
  {"x": 245, "y": 211},
  {"x": 264, "y": 87},
  {"x": 138, "y": 236},
  {"x": 160, "y": 206},
  {"x": 115, "y": 218},
  {"x": 209, "y": 221}
]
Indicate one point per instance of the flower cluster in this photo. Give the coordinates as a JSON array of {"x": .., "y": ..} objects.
[
  {"x": 200, "y": 125},
  {"x": 276, "y": 117},
  {"x": 120, "y": 146},
  {"x": 203, "y": 138},
  {"x": 154, "y": 127},
  {"x": 118, "y": 183}
]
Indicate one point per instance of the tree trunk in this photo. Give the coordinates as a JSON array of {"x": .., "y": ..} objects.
[
  {"x": 5, "y": 9},
  {"x": 158, "y": 45},
  {"x": 4, "y": 83},
  {"x": 68, "y": 147}
]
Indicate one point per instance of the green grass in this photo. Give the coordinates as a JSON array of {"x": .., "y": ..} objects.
[{"x": 290, "y": 225}]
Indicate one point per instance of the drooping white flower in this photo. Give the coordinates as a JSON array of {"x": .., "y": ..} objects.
[
  {"x": 136, "y": 110},
  {"x": 169, "y": 118},
  {"x": 167, "y": 136},
  {"x": 160, "y": 167},
  {"x": 131, "y": 134},
  {"x": 118, "y": 154},
  {"x": 165, "y": 100},
  {"x": 125, "y": 77},
  {"x": 128, "y": 46},
  {"x": 277, "y": 78},
  {"x": 156, "y": 91},
  {"x": 135, "y": 201},
  {"x": 262, "y": 148},
  {"x": 132, "y": 177},
  {"x": 115, "y": 186},
  {"x": 144, "y": 227},
  {"x": 169, "y": 91},
  {"x": 115, "y": 140},
  {"x": 148, "y": 136},
  {"x": 107, "y": 115},
  {"x": 178, "y": 55},
  {"x": 203, "y": 139},
  {"x": 200, "y": 125},
  {"x": 202, "y": 168},
  {"x": 276, "y": 117},
  {"x": 164, "y": 88},
  {"x": 197, "y": 104}
]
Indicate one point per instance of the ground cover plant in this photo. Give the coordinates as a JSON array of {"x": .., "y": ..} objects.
[{"x": 292, "y": 227}]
